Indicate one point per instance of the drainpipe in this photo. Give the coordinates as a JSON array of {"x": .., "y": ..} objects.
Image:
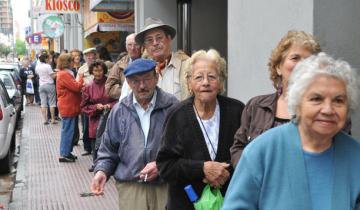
[{"x": 184, "y": 25}]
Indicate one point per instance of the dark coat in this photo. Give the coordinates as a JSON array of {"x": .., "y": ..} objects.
[{"x": 183, "y": 152}]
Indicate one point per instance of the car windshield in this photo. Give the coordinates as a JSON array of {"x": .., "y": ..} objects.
[{"x": 6, "y": 79}]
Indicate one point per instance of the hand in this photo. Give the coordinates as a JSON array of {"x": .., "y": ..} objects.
[
  {"x": 216, "y": 174},
  {"x": 100, "y": 107},
  {"x": 150, "y": 172},
  {"x": 98, "y": 183},
  {"x": 30, "y": 76},
  {"x": 81, "y": 75}
]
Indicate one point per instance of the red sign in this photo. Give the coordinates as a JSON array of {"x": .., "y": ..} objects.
[{"x": 61, "y": 6}]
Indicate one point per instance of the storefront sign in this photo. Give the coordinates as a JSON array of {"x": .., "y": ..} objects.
[
  {"x": 60, "y": 6},
  {"x": 53, "y": 26},
  {"x": 34, "y": 38}
]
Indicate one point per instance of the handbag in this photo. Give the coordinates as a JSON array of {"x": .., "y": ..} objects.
[
  {"x": 211, "y": 199},
  {"x": 101, "y": 127},
  {"x": 29, "y": 86}
]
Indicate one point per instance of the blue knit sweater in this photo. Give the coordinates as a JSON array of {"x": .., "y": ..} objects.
[{"x": 271, "y": 173}]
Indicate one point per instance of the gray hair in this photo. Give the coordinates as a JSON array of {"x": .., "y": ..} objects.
[
  {"x": 211, "y": 55},
  {"x": 322, "y": 64}
]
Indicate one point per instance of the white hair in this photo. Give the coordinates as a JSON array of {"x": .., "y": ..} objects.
[{"x": 322, "y": 64}]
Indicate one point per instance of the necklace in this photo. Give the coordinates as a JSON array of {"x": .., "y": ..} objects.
[{"x": 206, "y": 133}]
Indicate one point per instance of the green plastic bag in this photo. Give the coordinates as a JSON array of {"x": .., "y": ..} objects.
[{"x": 210, "y": 199}]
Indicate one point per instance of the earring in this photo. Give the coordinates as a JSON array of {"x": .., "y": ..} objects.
[{"x": 279, "y": 87}]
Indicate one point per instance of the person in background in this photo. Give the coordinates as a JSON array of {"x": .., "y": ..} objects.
[
  {"x": 156, "y": 38},
  {"x": 309, "y": 163},
  {"x": 267, "y": 111},
  {"x": 116, "y": 79},
  {"x": 103, "y": 53},
  {"x": 94, "y": 100},
  {"x": 131, "y": 141},
  {"x": 90, "y": 56},
  {"x": 53, "y": 61},
  {"x": 199, "y": 132},
  {"x": 76, "y": 64},
  {"x": 69, "y": 98},
  {"x": 46, "y": 88},
  {"x": 27, "y": 72}
]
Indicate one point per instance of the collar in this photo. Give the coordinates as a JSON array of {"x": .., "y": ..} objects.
[{"x": 151, "y": 103}]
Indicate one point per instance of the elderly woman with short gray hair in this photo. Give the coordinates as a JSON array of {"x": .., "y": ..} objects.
[
  {"x": 309, "y": 163},
  {"x": 199, "y": 132}
]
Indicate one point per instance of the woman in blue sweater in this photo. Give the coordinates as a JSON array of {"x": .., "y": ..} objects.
[{"x": 308, "y": 163}]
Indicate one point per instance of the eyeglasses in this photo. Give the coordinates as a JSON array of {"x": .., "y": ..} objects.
[
  {"x": 200, "y": 78},
  {"x": 132, "y": 45},
  {"x": 137, "y": 82},
  {"x": 150, "y": 40}
]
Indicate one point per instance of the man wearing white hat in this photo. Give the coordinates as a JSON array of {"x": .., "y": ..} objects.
[
  {"x": 156, "y": 37},
  {"x": 90, "y": 56}
]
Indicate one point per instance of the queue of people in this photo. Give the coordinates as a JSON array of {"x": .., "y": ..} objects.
[{"x": 170, "y": 125}]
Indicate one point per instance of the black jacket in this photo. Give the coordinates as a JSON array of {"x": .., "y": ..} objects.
[{"x": 183, "y": 151}]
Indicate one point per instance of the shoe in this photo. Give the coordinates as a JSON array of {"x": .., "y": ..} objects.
[
  {"x": 66, "y": 160},
  {"x": 91, "y": 169},
  {"x": 46, "y": 123},
  {"x": 73, "y": 156},
  {"x": 86, "y": 153}
]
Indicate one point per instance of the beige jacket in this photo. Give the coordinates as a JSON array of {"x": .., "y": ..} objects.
[
  {"x": 172, "y": 79},
  {"x": 116, "y": 78},
  {"x": 84, "y": 69}
]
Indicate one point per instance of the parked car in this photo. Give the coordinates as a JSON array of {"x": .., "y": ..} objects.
[
  {"x": 8, "y": 117},
  {"x": 14, "y": 68},
  {"x": 13, "y": 90}
]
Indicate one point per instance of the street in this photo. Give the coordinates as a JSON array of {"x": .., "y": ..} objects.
[{"x": 42, "y": 182}]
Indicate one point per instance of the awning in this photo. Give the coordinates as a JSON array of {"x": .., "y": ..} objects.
[
  {"x": 103, "y": 27},
  {"x": 111, "y": 5}
]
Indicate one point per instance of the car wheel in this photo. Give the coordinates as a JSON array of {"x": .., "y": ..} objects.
[{"x": 5, "y": 163}]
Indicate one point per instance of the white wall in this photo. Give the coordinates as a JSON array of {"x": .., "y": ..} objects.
[
  {"x": 339, "y": 36},
  {"x": 254, "y": 29}
]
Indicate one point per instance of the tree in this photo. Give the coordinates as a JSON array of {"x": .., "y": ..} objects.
[
  {"x": 20, "y": 47},
  {"x": 5, "y": 50}
]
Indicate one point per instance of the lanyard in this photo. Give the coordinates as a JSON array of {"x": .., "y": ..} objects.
[{"x": 212, "y": 146}]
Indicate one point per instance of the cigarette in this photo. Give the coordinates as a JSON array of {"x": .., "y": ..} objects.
[{"x": 145, "y": 178}]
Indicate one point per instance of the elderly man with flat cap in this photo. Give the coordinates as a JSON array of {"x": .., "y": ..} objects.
[
  {"x": 156, "y": 37},
  {"x": 132, "y": 139}
]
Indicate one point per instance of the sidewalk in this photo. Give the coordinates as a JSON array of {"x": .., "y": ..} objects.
[{"x": 44, "y": 183}]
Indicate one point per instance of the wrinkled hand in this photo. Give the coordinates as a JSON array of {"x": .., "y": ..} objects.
[
  {"x": 216, "y": 174},
  {"x": 151, "y": 171},
  {"x": 100, "y": 107},
  {"x": 81, "y": 76},
  {"x": 98, "y": 183},
  {"x": 107, "y": 106}
]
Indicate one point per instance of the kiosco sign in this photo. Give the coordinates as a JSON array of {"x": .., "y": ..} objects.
[
  {"x": 53, "y": 26},
  {"x": 61, "y": 6}
]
